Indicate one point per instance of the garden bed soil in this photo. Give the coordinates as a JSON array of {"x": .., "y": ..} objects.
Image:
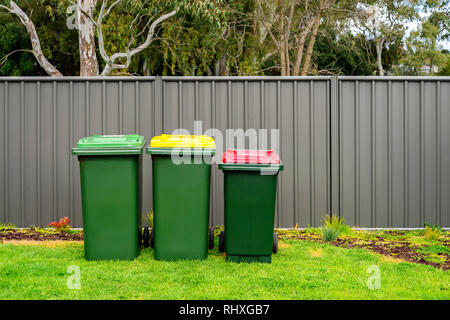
[
  {"x": 41, "y": 235},
  {"x": 400, "y": 250}
]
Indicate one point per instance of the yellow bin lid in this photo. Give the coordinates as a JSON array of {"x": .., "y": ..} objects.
[{"x": 182, "y": 141}]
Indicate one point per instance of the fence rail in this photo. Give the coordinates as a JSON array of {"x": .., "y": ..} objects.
[{"x": 375, "y": 150}]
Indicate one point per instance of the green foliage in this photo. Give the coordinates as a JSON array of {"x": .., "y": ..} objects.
[
  {"x": 445, "y": 69},
  {"x": 6, "y": 226},
  {"x": 224, "y": 37},
  {"x": 423, "y": 50},
  {"x": 331, "y": 227},
  {"x": 12, "y": 38},
  {"x": 439, "y": 16},
  {"x": 435, "y": 249},
  {"x": 329, "y": 234},
  {"x": 341, "y": 55},
  {"x": 433, "y": 227},
  {"x": 311, "y": 230},
  {"x": 59, "y": 44}
]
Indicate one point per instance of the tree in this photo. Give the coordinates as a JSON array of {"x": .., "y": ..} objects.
[
  {"x": 445, "y": 70},
  {"x": 383, "y": 21},
  {"x": 293, "y": 25},
  {"x": 439, "y": 16},
  {"x": 287, "y": 19},
  {"x": 423, "y": 50},
  {"x": 341, "y": 54},
  {"x": 223, "y": 41},
  {"x": 90, "y": 26},
  {"x": 15, "y": 62},
  {"x": 35, "y": 43}
]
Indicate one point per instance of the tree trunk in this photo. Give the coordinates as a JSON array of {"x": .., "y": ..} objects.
[
  {"x": 86, "y": 39},
  {"x": 282, "y": 48},
  {"x": 221, "y": 68},
  {"x": 312, "y": 40},
  {"x": 300, "y": 48},
  {"x": 35, "y": 43},
  {"x": 379, "y": 46},
  {"x": 286, "y": 52}
]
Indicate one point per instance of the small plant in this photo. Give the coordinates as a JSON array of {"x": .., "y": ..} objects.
[
  {"x": 6, "y": 227},
  {"x": 433, "y": 227},
  {"x": 149, "y": 218},
  {"x": 331, "y": 227},
  {"x": 62, "y": 225},
  {"x": 431, "y": 233},
  {"x": 310, "y": 230},
  {"x": 329, "y": 234}
]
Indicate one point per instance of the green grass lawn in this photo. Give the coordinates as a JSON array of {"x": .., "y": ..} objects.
[{"x": 301, "y": 270}]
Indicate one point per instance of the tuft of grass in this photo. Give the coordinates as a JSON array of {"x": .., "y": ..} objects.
[
  {"x": 329, "y": 234},
  {"x": 332, "y": 226}
]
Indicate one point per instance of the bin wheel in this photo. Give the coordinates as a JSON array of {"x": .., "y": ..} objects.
[
  {"x": 146, "y": 237},
  {"x": 222, "y": 241},
  {"x": 211, "y": 238},
  {"x": 275, "y": 243},
  {"x": 152, "y": 239}
]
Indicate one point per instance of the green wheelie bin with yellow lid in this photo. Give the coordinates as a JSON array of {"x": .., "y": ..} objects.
[{"x": 181, "y": 167}]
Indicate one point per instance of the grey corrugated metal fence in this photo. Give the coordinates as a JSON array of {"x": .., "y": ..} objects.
[
  {"x": 374, "y": 150},
  {"x": 394, "y": 155}
]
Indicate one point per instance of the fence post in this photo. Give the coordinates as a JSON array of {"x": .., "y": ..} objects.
[
  {"x": 159, "y": 110},
  {"x": 334, "y": 148}
]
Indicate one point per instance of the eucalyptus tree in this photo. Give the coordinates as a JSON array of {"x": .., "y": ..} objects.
[
  {"x": 423, "y": 49},
  {"x": 88, "y": 19},
  {"x": 384, "y": 21},
  {"x": 293, "y": 25},
  {"x": 438, "y": 12}
]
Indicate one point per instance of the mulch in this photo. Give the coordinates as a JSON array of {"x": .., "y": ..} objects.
[
  {"x": 396, "y": 249},
  {"x": 34, "y": 235}
]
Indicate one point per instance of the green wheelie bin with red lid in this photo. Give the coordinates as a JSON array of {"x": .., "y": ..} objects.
[{"x": 250, "y": 185}]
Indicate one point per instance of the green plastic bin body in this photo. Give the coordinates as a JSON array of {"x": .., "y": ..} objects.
[
  {"x": 181, "y": 195},
  {"x": 110, "y": 172},
  {"x": 250, "y": 198}
]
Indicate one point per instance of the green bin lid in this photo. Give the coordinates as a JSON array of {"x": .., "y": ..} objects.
[{"x": 110, "y": 145}]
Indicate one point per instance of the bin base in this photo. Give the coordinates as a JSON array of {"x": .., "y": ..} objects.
[
  {"x": 179, "y": 258},
  {"x": 236, "y": 258},
  {"x": 112, "y": 258}
]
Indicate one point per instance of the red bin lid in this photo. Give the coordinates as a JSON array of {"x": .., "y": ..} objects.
[{"x": 250, "y": 156}]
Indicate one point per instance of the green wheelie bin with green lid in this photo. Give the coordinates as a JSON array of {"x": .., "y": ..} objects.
[
  {"x": 250, "y": 185},
  {"x": 181, "y": 166},
  {"x": 110, "y": 172}
]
